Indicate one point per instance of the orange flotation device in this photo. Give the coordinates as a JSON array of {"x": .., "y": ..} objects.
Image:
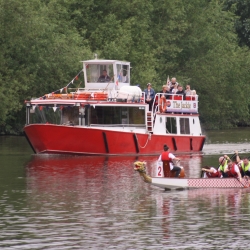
[
  {"x": 163, "y": 104},
  {"x": 59, "y": 96}
]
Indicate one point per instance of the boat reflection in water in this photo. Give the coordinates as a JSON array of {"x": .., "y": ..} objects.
[
  {"x": 78, "y": 177},
  {"x": 46, "y": 170}
]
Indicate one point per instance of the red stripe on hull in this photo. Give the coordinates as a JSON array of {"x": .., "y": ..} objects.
[{"x": 47, "y": 138}]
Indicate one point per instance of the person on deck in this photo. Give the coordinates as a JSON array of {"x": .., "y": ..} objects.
[
  {"x": 174, "y": 89},
  {"x": 188, "y": 91},
  {"x": 149, "y": 95},
  {"x": 173, "y": 83},
  {"x": 165, "y": 92},
  {"x": 167, "y": 156},
  {"x": 223, "y": 160},
  {"x": 211, "y": 172},
  {"x": 180, "y": 91},
  {"x": 104, "y": 77}
]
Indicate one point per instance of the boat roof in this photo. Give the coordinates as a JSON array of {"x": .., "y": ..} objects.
[{"x": 102, "y": 61}]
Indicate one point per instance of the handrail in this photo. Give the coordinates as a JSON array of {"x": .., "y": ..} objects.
[{"x": 118, "y": 125}]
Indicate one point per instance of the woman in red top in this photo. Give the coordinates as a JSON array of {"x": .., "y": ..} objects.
[{"x": 211, "y": 172}]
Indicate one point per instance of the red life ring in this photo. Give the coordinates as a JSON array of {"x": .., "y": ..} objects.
[{"x": 163, "y": 104}]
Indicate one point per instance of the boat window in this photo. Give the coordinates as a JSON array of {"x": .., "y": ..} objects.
[
  {"x": 171, "y": 125},
  {"x": 94, "y": 71},
  {"x": 70, "y": 115},
  {"x": 124, "y": 116},
  {"x": 184, "y": 126},
  {"x": 45, "y": 114},
  {"x": 122, "y": 73},
  {"x": 67, "y": 115}
]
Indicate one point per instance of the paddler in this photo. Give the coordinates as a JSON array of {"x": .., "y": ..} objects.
[
  {"x": 233, "y": 170},
  {"x": 244, "y": 166},
  {"x": 211, "y": 172},
  {"x": 223, "y": 161},
  {"x": 167, "y": 156}
]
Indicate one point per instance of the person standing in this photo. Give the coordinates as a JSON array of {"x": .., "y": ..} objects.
[
  {"x": 173, "y": 83},
  {"x": 180, "y": 91},
  {"x": 149, "y": 95},
  {"x": 167, "y": 156},
  {"x": 188, "y": 91},
  {"x": 165, "y": 92}
]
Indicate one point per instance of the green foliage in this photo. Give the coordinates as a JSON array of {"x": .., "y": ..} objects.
[
  {"x": 42, "y": 42},
  {"x": 241, "y": 8}
]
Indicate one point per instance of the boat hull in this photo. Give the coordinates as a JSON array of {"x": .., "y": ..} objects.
[
  {"x": 49, "y": 138},
  {"x": 175, "y": 183}
]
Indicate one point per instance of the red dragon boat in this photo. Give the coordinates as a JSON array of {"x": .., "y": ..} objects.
[{"x": 110, "y": 118}]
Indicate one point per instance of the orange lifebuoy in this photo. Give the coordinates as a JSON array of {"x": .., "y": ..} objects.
[
  {"x": 59, "y": 96},
  {"x": 163, "y": 104}
]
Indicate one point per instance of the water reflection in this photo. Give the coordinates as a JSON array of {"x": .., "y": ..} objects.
[{"x": 101, "y": 203}]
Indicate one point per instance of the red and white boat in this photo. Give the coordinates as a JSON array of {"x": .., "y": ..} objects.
[{"x": 110, "y": 118}]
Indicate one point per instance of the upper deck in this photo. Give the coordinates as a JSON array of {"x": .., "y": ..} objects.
[{"x": 115, "y": 90}]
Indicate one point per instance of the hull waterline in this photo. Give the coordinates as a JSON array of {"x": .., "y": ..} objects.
[{"x": 191, "y": 183}]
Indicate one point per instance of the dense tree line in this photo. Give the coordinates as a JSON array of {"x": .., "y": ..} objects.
[{"x": 203, "y": 43}]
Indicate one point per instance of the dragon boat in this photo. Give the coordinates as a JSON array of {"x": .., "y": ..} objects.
[
  {"x": 110, "y": 117},
  {"x": 166, "y": 180}
]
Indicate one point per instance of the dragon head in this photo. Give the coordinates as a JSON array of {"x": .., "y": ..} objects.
[{"x": 140, "y": 166}]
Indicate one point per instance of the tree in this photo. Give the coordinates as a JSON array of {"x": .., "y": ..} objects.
[{"x": 39, "y": 52}]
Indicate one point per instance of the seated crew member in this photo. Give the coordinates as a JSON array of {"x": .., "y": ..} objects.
[
  {"x": 167, "y": 156},
  {"x": 233, "y": 170},
  {"x": 244, "y": 166},
  {"x": 211, "y": 172},
  {"x": 104, "y": 77},
  {"x": 223, "y": 160}
]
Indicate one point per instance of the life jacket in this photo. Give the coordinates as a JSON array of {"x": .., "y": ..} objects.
[
  {"x": 165, "y": 156},
  {"x": 245, "y": 168},
  {"x": 222, "y": 167},
  {"x": 214, "y": 175},
  {"x": 232, "y": 172}
]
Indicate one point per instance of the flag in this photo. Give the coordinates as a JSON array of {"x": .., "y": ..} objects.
[
  {"x": 118, "y": 79},
  {"x": 168, "y": 81},
  {"x": 77, "y": 77}
]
